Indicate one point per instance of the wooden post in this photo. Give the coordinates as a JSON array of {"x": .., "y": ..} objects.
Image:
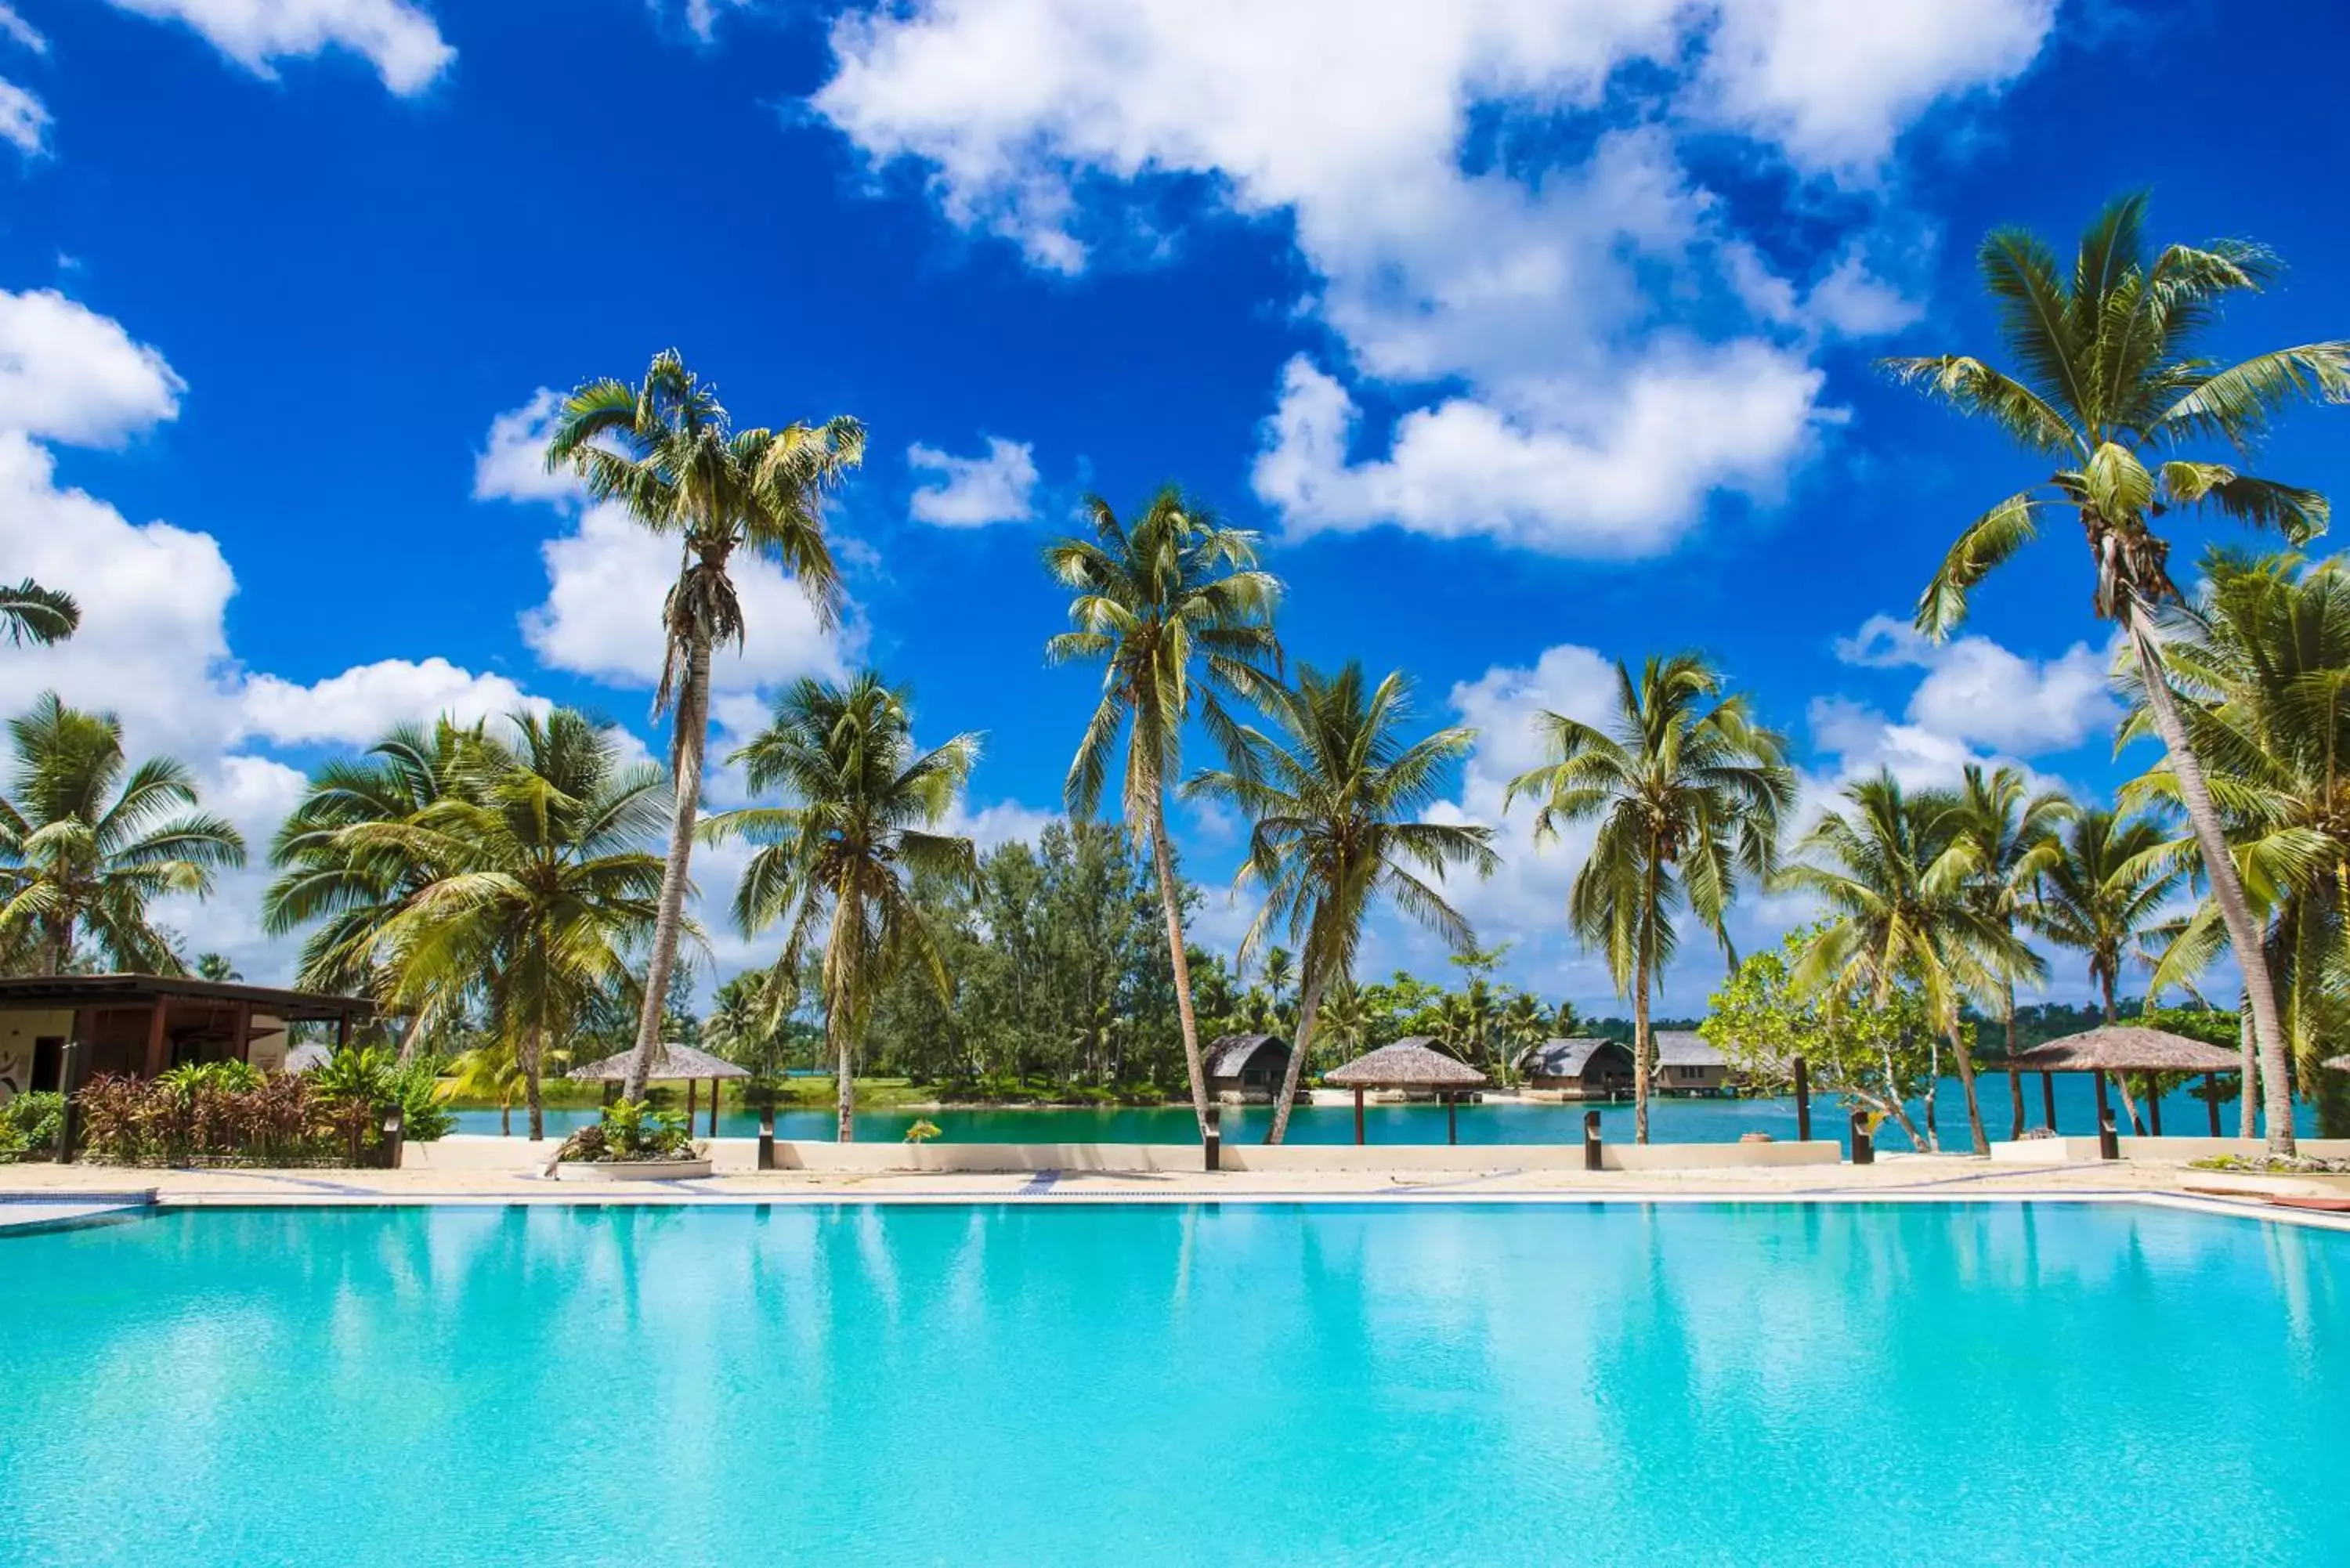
[
  {"x": 692, "y": 1101},
  {"x": 2153, "y": 1103},
  {"x": 342, "y": 1030},
  {"x": 713, "y": 1108},
  {"x": 242, "y": 1021},
  {"x": 1591, "y": 1149},
  {"x": 1452, "y": 1118},
  {"x": 1864, "y": 1147},
  {"x": 2048, "y": 1100},
  {"x": 2104, "y": 1108},
  {"x": 158, "y": 1045},
  {"x": 1358, "y": 1116},
  {"x": 68, "y": 1081},
  {"x": 1803, "y": 1101},
  {"x": 2109, "y": 1143},
  {"x": 2211, "y": 1099},
  {"x": 767, "y": 1136}
]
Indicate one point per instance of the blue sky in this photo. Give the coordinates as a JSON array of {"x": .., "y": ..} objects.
[{"x": 1532, "y": 335}]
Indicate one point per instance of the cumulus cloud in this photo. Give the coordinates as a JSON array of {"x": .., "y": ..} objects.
[
  {"x": 69, "y": 374},
  {"x": 1976, "y": 692},
  {"x": 357, "y": 705},
  {"x": 21, "y": 33},
  {"x": 997, "y": 486},
  {"x": 396, "y": 38},
  {"x": 24, "y": 119},
  {"x": 1530, "y": 294},
  {"x": 513, "y": 465}
]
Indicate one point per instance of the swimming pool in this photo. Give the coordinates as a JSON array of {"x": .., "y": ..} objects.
[{"x": 1193, "y": 1383}]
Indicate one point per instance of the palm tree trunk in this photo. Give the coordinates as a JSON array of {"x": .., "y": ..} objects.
[
  {"x": 2219, "y": 869},
  {"x": 2014, "y": 1076},
  {"x": 2121, "y": 1080},
  {"x": 1643, "y": 1043},
  {"x": 1308, "y": 1007},
  {"x": 412, "y": 1038},
  {"x": 844, "y": 1098},
  {"x": 1933, "y": 1093},
  {"x": 530, "y": 1085},
  {"x": 2248, "y": 1120},
  {"x": 1966, "y": 1061},
  {"x": 1163, "y": 862},
  {"x": 689, "y": 738}
]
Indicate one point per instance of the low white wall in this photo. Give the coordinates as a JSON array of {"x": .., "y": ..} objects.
[{"x": 2069, "y": 1148}]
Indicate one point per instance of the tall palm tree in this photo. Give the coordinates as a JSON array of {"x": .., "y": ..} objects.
[
  {"x": 42, "y": 616},
  {"x": 837, "y": 864},
  {"x": 1689, "y": 789},
  {"x": 1525, "y": 1024},
  {"x": 353, "y": 889},
  {"x": 1342, "y": 1023},
  {"x": 666, "y": 451},
  {"x": 2102, "y": 895},
  {"x": 2014, "y": 833},
  {"x": 538, "y": 887},
  {"x": 88, "y": 838},
  {"x": 1175, "y": 610},
  {"x": 1333, "y": 801},
  {"x": 2262, "y": 664},
  {"x": 1898, "y": 876},
  {"x": 2110, "y": 380},
  {"x": 215, "y": 966}
]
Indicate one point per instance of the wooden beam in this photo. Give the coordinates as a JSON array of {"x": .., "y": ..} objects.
[
  {"x": 244, "y": 1026},
  {"x": 342, "y": 1032},
  {"x": 1452, "y": 1118},
  {"x": 2104, "y": 1105},
  {"x": 159, "y": 1045},
  {"x": 2211, "y": 1099},
  {"x": 1803, "y": 1101}
]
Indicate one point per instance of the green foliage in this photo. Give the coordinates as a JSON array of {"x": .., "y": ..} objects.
[
  {"x": 199, "y": 1117},
  {"x": 631, "y": 1130},
  {"x": 30, "y": 613},
  {"x": 30, "y": 1124}
]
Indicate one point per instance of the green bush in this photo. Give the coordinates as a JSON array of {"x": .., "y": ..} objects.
[
  {"x": 30, "y": 1124},
  {"x": 631, "y": 1130}
]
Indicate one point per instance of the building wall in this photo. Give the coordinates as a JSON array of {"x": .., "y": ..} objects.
[
  {"x": 268, "y": 1052},
  {"x": 18, "y": 1030}
]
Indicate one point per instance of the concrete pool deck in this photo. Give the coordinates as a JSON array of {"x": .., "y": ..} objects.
[{"x": 1482, "y": 1176}]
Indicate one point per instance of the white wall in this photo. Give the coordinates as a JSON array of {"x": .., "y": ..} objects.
[{"x": 18, "y": 1030}]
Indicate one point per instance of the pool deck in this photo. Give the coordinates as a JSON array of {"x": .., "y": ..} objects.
[{"x": 47, "y": 1196}]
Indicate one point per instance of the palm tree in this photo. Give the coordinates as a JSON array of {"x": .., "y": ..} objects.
[
  {"x": 88, "y": 838},
  {"x": 1899, "y": 876},
  {"x": 2013, "y": 830},
  {"x": 1525, "y": 1024},
  {"x": 2262, "y": 664},
  {"x": 836, "y": 865},
  {"x": 2102, "y": 894},
  {"x": 2110, "y": 381},
  {"x": 537, "y": 886},
  {"x": 1342, "y": 1021},
  {"x": 353, "y": 889},
  {"x": 1689, "y": 791},
  {"x": 666, "y": 451},
  {"x": 1175, "y": 610},
  {"x": 1280, "y": 972},
  {"x": 42, "y": 616},
  {"x": 215, "y": 966},
  {"x": 1333, "y": 805}
]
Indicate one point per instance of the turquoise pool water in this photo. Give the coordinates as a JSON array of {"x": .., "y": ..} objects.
[
  {"x": 1142, "y": 1385},
  {"x": 1670, "y": 1120}
]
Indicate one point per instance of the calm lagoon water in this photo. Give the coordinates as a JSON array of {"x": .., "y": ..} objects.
[
  {"x": 1142, "y": 1385},
  {"x": 1670, "y": 1120}
]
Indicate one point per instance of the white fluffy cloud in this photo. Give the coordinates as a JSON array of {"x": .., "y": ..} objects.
[
  {"x": 22, "y": 33},
  {"x": 997, "y": 486},
  {"x": 397, "y": 37},
  {"x": 24, "y": 119},
  {"x": 513, "y": 465},
  {"x": 1977, "y": 692},
  {"x": 71, "y": 375},
  {"x": 355, "y": 707},
  {"x": 1532, "y": 294}
]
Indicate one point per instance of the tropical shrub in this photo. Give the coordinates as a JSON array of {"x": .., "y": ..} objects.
[
  {"x": 28, "y": 1125},
  {"x": 229, "y": 1113},
  {"x": 631, "y": 1130}
]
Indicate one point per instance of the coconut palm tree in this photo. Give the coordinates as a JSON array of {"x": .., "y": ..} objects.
[
  {"x": 1525, "y": 1024},
  {"x": 87, "y": 839},
  {"x": 215, "y": 966},
  {"x": 2102, "y": 895},
  {"x": 1342, "y": 1024},
  {"x": 2013, "y": 829},
  {"x": 1333, "y": 801},
  {"x": 1177, "y": 611},
  {"x": 42, "y": 616},
  {"x": 2110, "y": 385},
  {"x": 1689, "y": 789},
  {"x": 837, "y": 864},
  {"x": 352, "y": 890},
  {"x": 666, "y": 451},
  {"x": 1899, "y": 875},
  {"x": 538, "y": 889}
]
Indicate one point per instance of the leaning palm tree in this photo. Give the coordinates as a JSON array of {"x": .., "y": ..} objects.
[
  {"x": 1689, "y": 789},
  {"x": 837, "y": 864},
  {"x": 2013, "y": 829},
  {"x": 2110, "y": 381},
  {"x": 351, "y": 888},
  {"x": 1898, "y": 876},
  {"x": 539, "y": 887},
  {"x": 2103, "y": 895},
  {"x": 665, "y": 451},
  {"x": 1175, "y": 609},
  {"x": 42, "y": 616},
  {"x": 87, "y": 839},
  {"x": 1333, "y": 803}
]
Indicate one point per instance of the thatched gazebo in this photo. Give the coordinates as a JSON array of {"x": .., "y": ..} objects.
[
  {"x": 670, "y": 1064},
  {"x": 2127, "y": 1048},
  {"x": 1413, "y": 1063}
]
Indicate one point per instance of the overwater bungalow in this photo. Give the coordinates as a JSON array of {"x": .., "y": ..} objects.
[
  {"x": 1246, "y": 1069},
  {"x": 144, "y": 1024},
  {"x": 1686, "y": 1064},
  {"x": 1584, "y": 1067}
]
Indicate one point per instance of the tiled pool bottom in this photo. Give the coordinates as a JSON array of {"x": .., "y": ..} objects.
[{"x": 1203, "y": 1384}]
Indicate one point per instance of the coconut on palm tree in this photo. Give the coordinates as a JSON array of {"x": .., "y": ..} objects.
[
  {"x": 835, "y": 864},
  {"x": 30, "y": 613},
  {"x": 2012, "y": 828},
  {"x": 1689, "y": 789},
  {"x": 1175, "y": 609},
  {"x": 2110, "y": 385},
  {"x": 1334, "y": 799},
  {"x": 537, "y": 890},
  {"x": 665, "y": 451},
  {"x": 89, "y": 839}
]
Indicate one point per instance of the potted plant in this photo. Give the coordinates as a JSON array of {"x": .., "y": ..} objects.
[{"x": 633, "y": 1142}]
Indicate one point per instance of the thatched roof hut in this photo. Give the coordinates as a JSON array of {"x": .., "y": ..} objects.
[
  {"x": 1410, "y": 1064},
  {"x": 2117, "y": 1048},
  {"x": 670, "y": 1063},
  {"x": 1246, "y": 1065}
]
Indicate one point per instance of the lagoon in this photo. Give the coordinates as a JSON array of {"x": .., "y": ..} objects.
[{"x": 1177, "y": 1384}]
